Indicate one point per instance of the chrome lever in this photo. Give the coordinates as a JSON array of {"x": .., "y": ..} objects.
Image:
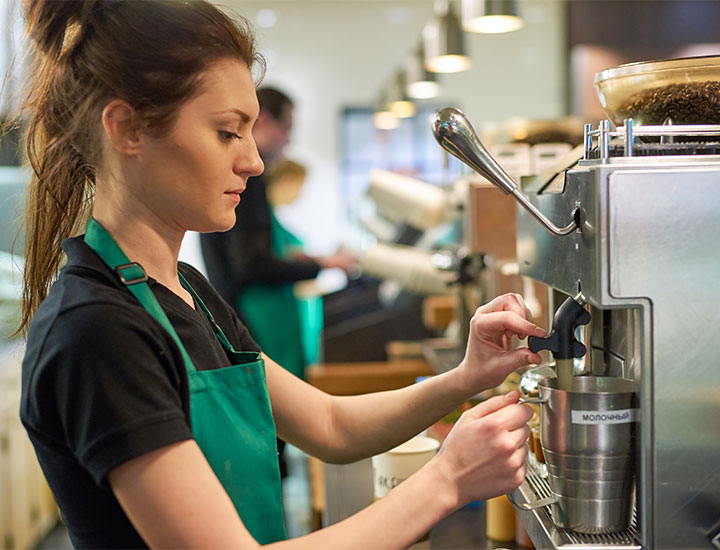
[{"x": 455, "y": 134}]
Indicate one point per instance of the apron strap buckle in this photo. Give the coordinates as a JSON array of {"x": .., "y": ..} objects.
[{"x": 131, "y": 273}]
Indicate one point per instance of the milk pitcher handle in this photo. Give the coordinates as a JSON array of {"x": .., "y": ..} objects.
[
  {"x": 527, "y": 506},
  {"x": 532, "y": 400}
]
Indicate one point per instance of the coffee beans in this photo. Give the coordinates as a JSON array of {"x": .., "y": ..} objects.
[{"x": 685, "y": 103}]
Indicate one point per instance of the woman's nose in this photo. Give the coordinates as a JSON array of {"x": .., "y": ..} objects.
[{"x": 250, "y": 163}]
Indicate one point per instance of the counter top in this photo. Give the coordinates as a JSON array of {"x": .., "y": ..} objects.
[
  {"x": 365, "y": 377},
  {"x": 462, "y": 530}
]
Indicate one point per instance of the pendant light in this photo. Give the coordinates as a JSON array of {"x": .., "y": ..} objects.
[
  {"x": 421, "y": 83},
  {"x": 490, "y": 16},
  {"x": 383, "y": 118},
  {"x": 400, "y": 104},
  {"x": 444, "y": 41}
]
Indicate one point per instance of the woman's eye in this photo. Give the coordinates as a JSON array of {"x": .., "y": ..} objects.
[{"x": 228, "y": 136}]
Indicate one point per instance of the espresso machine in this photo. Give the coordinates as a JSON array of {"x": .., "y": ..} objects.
[{"x": 629, "y": 230}]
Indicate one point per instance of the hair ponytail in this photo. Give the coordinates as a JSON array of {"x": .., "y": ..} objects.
[
  {"x": 61, "y": 179},
  {"x": 149, "y": 53},
  {"x": 49, "y": 21}
]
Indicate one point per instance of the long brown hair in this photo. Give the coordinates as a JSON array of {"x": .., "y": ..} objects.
[{"x": 150, "y": 53}]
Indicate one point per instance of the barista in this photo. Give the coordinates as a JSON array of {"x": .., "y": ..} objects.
[{"x": 152, "y": 411}]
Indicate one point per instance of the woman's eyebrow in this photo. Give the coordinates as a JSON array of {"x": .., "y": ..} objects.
[{"x": 242, "y": 114}]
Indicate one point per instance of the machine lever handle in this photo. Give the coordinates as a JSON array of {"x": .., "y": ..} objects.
[
  {"x": 455, "y": 134},
  {"x": 552, "y": 343},
  {"x": 561, "y": 340}
]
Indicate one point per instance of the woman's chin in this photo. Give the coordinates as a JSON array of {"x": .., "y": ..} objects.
[
  {"x": 217, "y": 225},
  {"x": 228, "y": 223}
]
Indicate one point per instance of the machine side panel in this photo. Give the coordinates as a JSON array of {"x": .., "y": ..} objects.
[
  {"x": 561, "y": 261},
  {"x": 664, "y": 227}
]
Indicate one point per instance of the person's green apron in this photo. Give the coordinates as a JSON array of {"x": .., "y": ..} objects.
[
  {"x": 286, "y": 328},
  {"x": 229, "y": 408}
]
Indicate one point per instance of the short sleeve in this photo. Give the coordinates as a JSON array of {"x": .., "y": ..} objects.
[
  {"x": 247, "y": 342},
  {"x": 112, "y": 386}
]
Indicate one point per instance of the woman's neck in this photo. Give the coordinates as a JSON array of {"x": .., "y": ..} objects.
[{"x": 146, "y": 239}]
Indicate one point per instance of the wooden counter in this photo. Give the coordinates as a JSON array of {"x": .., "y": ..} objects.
[{"x": 366, "y": 377}]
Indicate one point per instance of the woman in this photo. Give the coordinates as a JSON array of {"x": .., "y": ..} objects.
[{"x": 151, "y": 409}]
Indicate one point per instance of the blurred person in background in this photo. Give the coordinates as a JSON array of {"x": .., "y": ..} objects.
[{"x": 302, "y": 306}]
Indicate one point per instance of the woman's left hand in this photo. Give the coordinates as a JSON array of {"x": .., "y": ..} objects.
[{"x": 488, "y": 356}]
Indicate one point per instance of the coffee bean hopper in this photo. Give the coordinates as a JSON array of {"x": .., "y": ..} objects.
[{"x": 630, "y": 230}]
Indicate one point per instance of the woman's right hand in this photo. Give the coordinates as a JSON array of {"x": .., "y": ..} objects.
[{"x": 485, "y": 453}]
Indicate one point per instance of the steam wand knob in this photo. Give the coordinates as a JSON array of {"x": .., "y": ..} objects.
[{"x": 561, "y": 341}]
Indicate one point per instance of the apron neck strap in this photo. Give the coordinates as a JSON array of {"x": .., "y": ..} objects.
[
  {"x": 133, "y": 276},
  {"x": 216, "y": 328}
]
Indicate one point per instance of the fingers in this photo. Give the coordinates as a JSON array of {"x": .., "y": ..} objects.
[
  {"x": 515, "y": 302},
  {"x": 508, "y": 302},
  {"x": 522, "y": 470},
  {"x": 504, "y": 410},
  {"x": 498, "y": 322},
  {"x": 512, "y": 417},
  {"x": 520, "y": 357},
  {"x": 521, "y": 435},
  {"x": 493, "y": 404}
]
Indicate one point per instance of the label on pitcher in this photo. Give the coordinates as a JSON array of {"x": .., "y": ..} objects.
[{"x": 622, "y": 416}]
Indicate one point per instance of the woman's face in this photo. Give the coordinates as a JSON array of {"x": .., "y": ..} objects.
[{"x": 193, "y": 177}]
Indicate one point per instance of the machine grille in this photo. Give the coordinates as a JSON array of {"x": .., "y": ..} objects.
[{"x": 537, "y": 480}]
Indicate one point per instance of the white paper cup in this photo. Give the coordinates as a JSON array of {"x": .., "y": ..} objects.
[{"x": 396, "y": 465}]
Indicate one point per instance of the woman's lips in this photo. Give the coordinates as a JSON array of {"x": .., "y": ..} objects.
[{"x": 235, "y": 194}]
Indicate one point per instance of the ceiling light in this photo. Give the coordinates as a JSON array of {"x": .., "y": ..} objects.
[
  {"x": 383, "y": 118},
  {"x": 490, "y": 16},
  {"x": 421, "y": 83},
  {"x": 400, "y": 104},
  {"x": 444, "y": 41}
]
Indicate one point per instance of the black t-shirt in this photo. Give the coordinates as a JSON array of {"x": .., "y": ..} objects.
[
  {"x": 244, "y": 254},
  {"x": 103, "y": 382}
]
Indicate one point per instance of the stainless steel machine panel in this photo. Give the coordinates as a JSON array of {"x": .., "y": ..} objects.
[
  {"x": 648, "y": 245},
  {"x": 664, "y": 226}
]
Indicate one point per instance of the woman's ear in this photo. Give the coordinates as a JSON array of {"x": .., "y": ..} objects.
[{"x": 120, "y": 122}]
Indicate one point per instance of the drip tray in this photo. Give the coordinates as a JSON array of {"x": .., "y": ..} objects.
[{"x": 538, "y": 523}]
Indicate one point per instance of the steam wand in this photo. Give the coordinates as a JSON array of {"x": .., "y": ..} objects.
[{"x": 456, "y": 135}]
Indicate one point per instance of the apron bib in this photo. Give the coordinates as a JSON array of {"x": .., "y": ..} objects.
[{"x": 229, "y": 408}]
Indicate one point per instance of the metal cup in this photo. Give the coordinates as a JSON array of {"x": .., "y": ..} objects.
[
  {"x": 579, "y": 467},
  {"x": 592, "y": 516},
  {"x": 587, "y": 436},
  {"x": 582, "y": 474},
  {"x": 594, "y": 489}
]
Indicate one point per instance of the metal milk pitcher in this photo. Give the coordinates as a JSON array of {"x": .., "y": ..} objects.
[{"x": 588, "y": 439}]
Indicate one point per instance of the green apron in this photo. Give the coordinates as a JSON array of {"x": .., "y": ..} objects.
[
  {"x": 229, "y": 408},
  {"x": 286, "y": 328}
]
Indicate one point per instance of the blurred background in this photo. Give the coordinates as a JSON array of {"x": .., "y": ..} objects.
[{"x": 433, "y": 240}]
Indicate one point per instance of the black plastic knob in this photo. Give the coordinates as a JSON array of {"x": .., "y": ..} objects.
[{"x": 561, "y": 341}]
